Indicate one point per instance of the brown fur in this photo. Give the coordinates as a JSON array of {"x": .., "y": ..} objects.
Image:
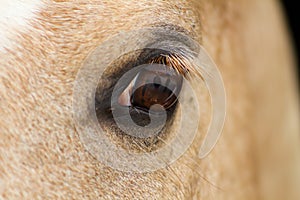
[{"x": 257, "y": 156}]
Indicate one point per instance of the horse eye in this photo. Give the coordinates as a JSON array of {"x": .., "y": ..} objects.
[{"x": 155, "y": 84}]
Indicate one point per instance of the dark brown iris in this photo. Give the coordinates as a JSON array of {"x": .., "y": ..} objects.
[{"x": 155, "y": 86}]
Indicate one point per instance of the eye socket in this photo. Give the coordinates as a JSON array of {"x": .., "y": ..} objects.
[
  {"x": 101, "y": 72},
  {"x": 152, "y": 85}
]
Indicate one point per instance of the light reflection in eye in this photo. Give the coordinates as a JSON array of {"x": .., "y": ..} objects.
[{"x": 152, "y": 85}]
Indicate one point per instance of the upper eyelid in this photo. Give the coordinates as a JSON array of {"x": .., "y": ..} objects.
[
  {"x": 168, "y": 27},
  {"x": 161, "y": 42}
]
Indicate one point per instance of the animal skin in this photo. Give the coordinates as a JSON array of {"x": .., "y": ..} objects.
[{"x": 43, "y": 45}]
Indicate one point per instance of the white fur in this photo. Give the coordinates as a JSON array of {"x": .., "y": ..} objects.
[{"x": 15, "y": 16}]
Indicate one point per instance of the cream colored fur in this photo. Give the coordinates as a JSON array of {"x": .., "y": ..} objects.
[{"x": 41, "y": 155}]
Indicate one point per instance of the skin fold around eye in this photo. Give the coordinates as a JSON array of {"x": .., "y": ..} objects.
[{"x": 106, "y": 73}]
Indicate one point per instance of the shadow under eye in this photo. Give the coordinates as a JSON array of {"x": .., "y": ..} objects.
[{"x": 140, "y": 116}]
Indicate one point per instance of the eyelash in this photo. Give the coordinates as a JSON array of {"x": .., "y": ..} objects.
[{"x": 148, "y": 56}]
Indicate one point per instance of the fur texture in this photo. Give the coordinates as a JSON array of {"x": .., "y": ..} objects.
[
  {"x": 41, "y": 155},
  {"x": 14, "y": 16}
]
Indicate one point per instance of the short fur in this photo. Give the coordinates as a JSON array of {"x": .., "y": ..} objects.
[{"x": 42, "y": 157}]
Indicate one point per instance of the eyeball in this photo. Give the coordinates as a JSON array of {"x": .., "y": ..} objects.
[{"x": 152, "y": 85}]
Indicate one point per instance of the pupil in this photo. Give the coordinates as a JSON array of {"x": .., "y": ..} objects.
[
  {"x": 157, "y": 81},
  {"x": 150, "y": 94}
]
